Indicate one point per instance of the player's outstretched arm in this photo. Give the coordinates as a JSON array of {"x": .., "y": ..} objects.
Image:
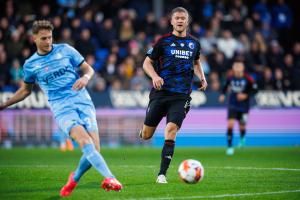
[
  {"x": 23, "y": 92},
  {"x": 200, "y": 74},
  {"x": 88, "y": 72},
  {"x": 157, "y": 81}
]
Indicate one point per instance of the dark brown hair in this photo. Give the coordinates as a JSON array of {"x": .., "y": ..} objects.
[{"x": 40, "y": 25}]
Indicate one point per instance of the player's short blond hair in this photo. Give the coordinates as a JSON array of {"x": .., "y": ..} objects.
[
  {"x": 181, "y": 9},
  {"x": 40, "y": 25}
]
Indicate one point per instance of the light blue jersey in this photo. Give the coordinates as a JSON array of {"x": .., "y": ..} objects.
[{"x": 56, "y": 73}]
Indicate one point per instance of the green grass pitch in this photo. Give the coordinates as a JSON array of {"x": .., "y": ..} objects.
[{"x": 252, "y": 173}]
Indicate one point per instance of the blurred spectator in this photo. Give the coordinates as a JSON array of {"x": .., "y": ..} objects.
[
  {"x": 282, "y": 21},
  {"x": 207, "y": 10},
  {"x": 116, "y": 85},
  {"x": 85, "y": 45},
  {"x": 262, "y": 11},
  {"x": 240, "y": 7},
  {"x": 107, "y": 33},
  {"x": 281, "y": 15},
  {"x": 268, "y": 80},
  {"x": 14, "y": 45},
  {"x": 139, "y": 81},
  {"x": 66, "y": 37},
  {"x": 163, "y": 26},
  {"x": 275, "y": 55},
  {"x": 227, "y": 44},
  {"x": 288, "y": 71},
  {"x": 258, "y": 58},
  {"x": 235, "y": 25},
  {"x": 208, "y": 42},
  {"x": 16, "y": 74},
  {"x": 249, "y": 28},
  {"x": 218, "y": 63},
  {"x": 97, "y": 83},
  {"x": 57, "y": 23},
  {"x": 4, "y": 70},
  {"x": 280, "y": 83},
  {"x": 126, "y": 31},
  {"x": 149, "y": 24},
  {"x": 214, "y": 83}
]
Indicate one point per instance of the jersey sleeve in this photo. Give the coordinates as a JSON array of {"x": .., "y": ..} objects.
[
  {"x": 76, "y": 58},
  {"x": 251, "y": 87},
  {"x": 225, "y": 87},
  {"x": 155, "y": 51},
  {"x": 28, "y": 76},
  {"x": 197, "y": 56}
]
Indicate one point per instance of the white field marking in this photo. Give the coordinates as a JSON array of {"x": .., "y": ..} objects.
[
  {"x": 224, "y": 195},
  {"x": 256, "y": 168},
  {"x": 154, "y": 166}
]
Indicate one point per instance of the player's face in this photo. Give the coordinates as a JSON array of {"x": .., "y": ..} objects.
[
  {"x": 179, "y": 21},
  {"x": 238, "y": 70},
  {"x": 43, "y": 41}
]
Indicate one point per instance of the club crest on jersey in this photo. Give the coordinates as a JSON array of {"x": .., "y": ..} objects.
[
  {"x": 191, "y": 45},
  {"x": 46, "y": 69},
  {"x": 182, "y": 44}
]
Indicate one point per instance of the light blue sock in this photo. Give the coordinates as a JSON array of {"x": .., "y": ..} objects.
[
  {"x": 83, "y": 166},
  {"x": 97, "y": 161}
]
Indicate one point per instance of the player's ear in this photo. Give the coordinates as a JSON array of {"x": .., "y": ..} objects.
[{"x": 34, "y": 37}]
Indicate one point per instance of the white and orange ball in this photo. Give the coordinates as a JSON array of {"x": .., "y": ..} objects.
[{"x": 191, "y": 171}]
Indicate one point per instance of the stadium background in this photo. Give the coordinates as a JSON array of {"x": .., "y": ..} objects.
[{"x": 114, "y": 35}]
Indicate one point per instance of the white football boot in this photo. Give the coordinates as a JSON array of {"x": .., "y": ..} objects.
[{"x": 161, "y": 179}]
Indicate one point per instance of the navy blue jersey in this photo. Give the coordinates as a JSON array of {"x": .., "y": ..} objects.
[
  {"x": 239, "y": 85},
  {"x": 174, "y": 61}
]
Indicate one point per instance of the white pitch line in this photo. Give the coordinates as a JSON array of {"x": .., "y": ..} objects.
[
  {"x": 154, "y": 166},
  {"x": 223, "y": 195},
  {"x": 256, "y": 168}
]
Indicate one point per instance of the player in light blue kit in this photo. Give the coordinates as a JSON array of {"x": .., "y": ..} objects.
[{"x": 54, "y": 68}]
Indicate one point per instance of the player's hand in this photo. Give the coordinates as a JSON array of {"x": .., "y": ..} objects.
[
  {"x": 157, "y": 82},
  {"x": 203, "y": 85},
  {"x": 221, "y": 98},
  {"x": 241, "y": 96},
  {"x": 80, "y": 83}
]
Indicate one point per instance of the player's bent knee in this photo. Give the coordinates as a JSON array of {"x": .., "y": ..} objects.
[
  {"x": 84, "y": 140},
  {"x": 171, "y": 128},
  {"x": 146, "y": 135}
]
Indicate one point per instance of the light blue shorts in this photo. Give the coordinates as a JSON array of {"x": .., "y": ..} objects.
[{"x": 74, "y": 111}]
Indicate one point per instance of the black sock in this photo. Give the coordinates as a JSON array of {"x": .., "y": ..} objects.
[
  {"x": 229, "y": 137},
  {"x": 243, "y": 132},
  {"x": 166, "y": 156}
]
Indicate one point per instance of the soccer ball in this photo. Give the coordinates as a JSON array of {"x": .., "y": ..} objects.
[{"x": 191, "y": 171}]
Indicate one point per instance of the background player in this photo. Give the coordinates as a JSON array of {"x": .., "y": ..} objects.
[
  {"x": 177, "y": 56},
  {"x": 54, "y": 68},
  {"x": 240, "y": 87}
]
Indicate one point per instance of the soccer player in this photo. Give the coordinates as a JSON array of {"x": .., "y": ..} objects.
[
  {"x": 54, "y": 68},
  {"x": 171, "y": 64},
  {"x": 241, "y": 86}
]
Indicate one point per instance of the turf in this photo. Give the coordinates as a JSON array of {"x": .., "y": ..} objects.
[{"x": 252, "y": 173}]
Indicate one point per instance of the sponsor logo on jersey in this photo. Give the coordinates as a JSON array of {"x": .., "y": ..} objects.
[
  {"x": 173, "y": 45},
  {"x": 181, "y": 53},
  {"x": 53, "y": 75}
]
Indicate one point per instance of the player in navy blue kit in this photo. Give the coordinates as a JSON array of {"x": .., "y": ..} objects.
[
  {"x": 54, "y": 68},
  {"x": 240, "y": 87},
  {"x": 171, "y": 64}
]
